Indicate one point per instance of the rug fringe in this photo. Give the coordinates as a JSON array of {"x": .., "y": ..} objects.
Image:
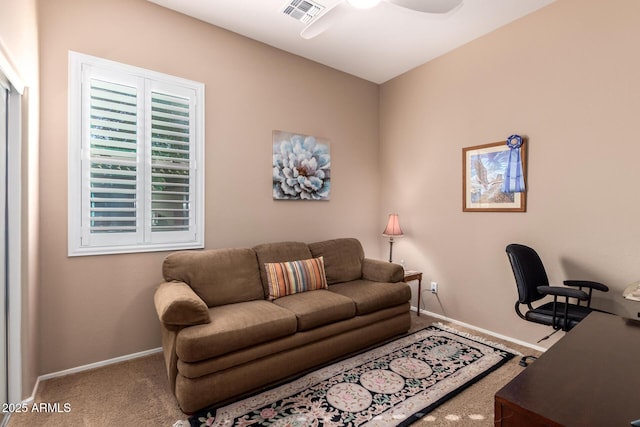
[{"x": 476, "y": 338}]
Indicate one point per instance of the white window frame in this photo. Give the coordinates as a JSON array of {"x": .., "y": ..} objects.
[{"x": 81, "y": 241}]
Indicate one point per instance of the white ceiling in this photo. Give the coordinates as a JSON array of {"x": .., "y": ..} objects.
[{"x": 375, "y": 44}]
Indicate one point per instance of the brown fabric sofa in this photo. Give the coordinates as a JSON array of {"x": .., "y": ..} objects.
[{"x": 223, "y": 338}]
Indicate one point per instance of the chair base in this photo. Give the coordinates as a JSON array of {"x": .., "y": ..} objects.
[{"x": 525, "y": 360}]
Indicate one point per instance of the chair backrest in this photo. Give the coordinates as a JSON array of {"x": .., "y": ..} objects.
[{"x": 528, "y": 271}]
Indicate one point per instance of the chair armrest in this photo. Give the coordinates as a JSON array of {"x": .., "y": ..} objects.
[
  {"x": 381, "y": 271},
  {"x": 177, "y": 304},
  {"x": 563, "y": 292},
  {"x": 587, "y": 284}
]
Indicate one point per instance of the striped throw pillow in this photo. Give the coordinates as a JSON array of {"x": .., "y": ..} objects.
[{"x": 286, "y": 278}]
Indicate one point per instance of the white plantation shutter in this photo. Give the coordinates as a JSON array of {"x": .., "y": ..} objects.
[
  {"x": 113, "y": 164},
  {"x": 170, "y": 164},
  {"x": 135, "y": 155}
]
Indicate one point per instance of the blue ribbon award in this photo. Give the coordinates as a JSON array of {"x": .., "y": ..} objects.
[{"x": 513, "y": 175}]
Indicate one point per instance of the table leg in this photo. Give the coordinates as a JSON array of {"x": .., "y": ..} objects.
[{"x": 419, "y": 293}]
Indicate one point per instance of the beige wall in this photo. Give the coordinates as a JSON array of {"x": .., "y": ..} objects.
[
  {"x": 100, "y": 307},
  {"x": 19, "y": 44},
  {"x": 566, "y": 77}
]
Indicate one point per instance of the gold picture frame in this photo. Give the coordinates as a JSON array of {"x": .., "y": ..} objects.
[{"x": 483, "y": 169}]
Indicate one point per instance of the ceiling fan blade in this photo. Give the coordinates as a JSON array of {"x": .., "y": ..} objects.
[
  {"x": 428, "y": 6},
  {"x": 322, "y": 22}
]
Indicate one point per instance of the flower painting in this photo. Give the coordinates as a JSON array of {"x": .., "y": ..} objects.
[{"x": 301, "y": 167}]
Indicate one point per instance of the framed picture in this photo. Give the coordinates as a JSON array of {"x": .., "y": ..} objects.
[
  {"x": 483, "y": 170},
  {"x": 301, "y": 167}
]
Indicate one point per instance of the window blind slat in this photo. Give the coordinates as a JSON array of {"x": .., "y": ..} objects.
[
  {"x": 107, "y": 115},
  {"x": 170, "y": 154},
  {"x": 101, "y": 173},
  {"x": 113, "y": 125},
  {"x": 162, "y": 136},
  {"x": 176, "y": 175},
  {"x": 125, "y": 147},
  {"x": 123, "y": 107},
  {"x": 181, "y": 167},
  {"x": 167, "y": 121}
]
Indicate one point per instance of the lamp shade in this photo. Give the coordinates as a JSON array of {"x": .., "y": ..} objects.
[{"x": 393, "y": 226}]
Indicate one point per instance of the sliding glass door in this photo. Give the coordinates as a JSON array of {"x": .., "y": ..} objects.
[
  {"x": 4, "y": 117},
  {"x": 11, "y": 92}
]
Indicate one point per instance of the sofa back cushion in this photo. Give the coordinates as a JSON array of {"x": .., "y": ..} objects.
[
  {"x": 279, "y": 252},
  {"x": 342, "y": 259},
  {"x": 218, "y": 276}
]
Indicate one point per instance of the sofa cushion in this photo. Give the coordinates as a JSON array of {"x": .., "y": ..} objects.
[
  {"x": 292, "y": 277},
  {"x": 314, "y": 309},
  {"x": 372, "y": 296},
  {"x": 342, "y": 259},
  {"x": 279, "y": 252},
  {"x": 234, "y": 327},
  {"x": 218, "y": 276}
]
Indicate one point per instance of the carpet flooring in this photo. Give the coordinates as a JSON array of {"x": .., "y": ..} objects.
[{"x": 136, "y": 393}]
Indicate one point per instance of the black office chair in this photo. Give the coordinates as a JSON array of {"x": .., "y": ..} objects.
[{"x": 533, "y": 285}]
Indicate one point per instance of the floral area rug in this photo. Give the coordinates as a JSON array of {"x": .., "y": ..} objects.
[{"x": 392, "y": 385}]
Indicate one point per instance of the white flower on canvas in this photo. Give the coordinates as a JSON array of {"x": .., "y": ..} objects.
[{"x": 301, "y": 168}]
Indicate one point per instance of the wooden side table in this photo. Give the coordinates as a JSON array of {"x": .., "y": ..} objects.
[{"x": 410, "y": 275}]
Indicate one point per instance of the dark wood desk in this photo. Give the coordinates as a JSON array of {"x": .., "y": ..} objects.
[{"x": 591, "y": 377}]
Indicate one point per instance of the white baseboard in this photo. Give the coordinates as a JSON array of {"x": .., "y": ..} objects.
[
  {"x": 89, "y": 367},
  {"x": 484, "y": 331},
  {"x": 99, "y": 364}
]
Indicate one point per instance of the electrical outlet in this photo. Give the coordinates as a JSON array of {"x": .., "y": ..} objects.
[{"x": 434, "y": 287}]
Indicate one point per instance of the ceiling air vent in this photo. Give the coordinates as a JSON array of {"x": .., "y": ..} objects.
[{"x": 302, "y": 10}]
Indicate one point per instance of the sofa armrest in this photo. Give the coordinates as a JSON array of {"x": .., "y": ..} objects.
[
  {"x": 177, "y": 304},
  {"x": 381, "y": 271}
]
